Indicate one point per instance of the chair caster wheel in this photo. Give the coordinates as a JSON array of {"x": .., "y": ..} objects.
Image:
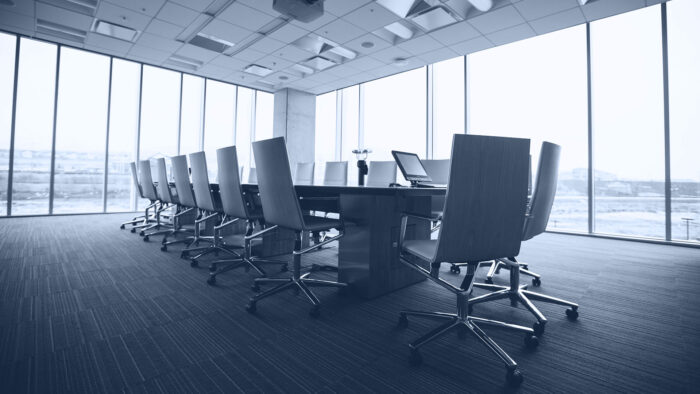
[
  {"x": 212, "y": 268},
  {"x": 184, "y": 255},
  {"x": 514, "y": 377},
  {"x": 536, "y": 282},
  {"x": 145, "y": 238},
  {"x": 122, "y": 227},
  {"x": 194, "y": 263},
  {"x": 255, "y": 288},
  {"x": 415, "y": 359},
  {"x": 315, "y": 311},
  {"x": 489, "y": 280},
  {"x": 403, "y": 321},
  {"x": 455, "y": 270},
  {"x": 572, "y": 314},
  {"x": 538, "y": 328},
  {"x": 284, "y": 268},
  {"x": 211, "y": 280},
  {"x": 133, "y": 230},
  {"x": 142, "y": 233},
  {"x": 164, "y": 248},
  {"x": 531, "y": 341},
  {"x": 251, "y": 308}
]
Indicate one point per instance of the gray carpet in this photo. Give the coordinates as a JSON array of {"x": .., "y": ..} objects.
[{"x": 86, "y": 307}]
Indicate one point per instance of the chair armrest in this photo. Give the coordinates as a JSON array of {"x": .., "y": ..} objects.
[{"x": 404, "y": 223}]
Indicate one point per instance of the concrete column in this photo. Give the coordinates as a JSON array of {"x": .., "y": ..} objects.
[{"x": 295, "y": 119}]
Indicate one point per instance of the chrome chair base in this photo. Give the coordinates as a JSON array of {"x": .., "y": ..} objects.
[
  {"x": 495, "y": 268},
  {"x": 518, "y": 294}
]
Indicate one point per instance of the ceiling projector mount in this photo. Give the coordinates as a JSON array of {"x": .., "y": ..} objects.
[{"x": 301, "y": 10}]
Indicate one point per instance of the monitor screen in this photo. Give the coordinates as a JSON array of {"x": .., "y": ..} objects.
[{"x": 411, "y": 166}]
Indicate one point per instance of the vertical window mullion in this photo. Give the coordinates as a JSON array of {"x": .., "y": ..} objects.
[
  {"x": 667, "y": 130},
  {"x": 53, "y": 138},
  {"x": 591, "y": 201},
  {"x": 12, "y": 131},
  {"x": 109, "y": 114},
  {"x": 138, "y": 130}
]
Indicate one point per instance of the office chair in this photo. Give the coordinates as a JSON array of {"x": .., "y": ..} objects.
[
  {"x": 185, "y": 198},
  {"x": 169, "y": 201},
  {"x": 535, "y": 223},
  {"x": 381, "y": 173},
  {"x": 207, "y": 211},
  {"x": 336, "y": 173},
  {"x": 483, "y": 217},
  {"x": 142, "y": 218},
  {"x": 304, "y": 174},
  {"x": 238, "y": 205},
  {"x": 438, "y": 171},
  {"x": 281, "y": 208},
  {"x": 252, "y": 176},
  {"x": 149, "y": 192}
]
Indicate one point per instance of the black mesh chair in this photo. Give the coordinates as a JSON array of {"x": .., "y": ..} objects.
[
  {"x": 535, "y": 223},
  {"x": 142, "y": 220},
  {"x": 239, "y": 205},
  {"x": 185, "y": 198},
  {"x": 483, "y": 217},
  {"x": 208, "y": 211},
  {"x": 281, "y": 208}
]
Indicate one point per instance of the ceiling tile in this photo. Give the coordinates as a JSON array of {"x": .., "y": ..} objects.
[
  {"x": 152, "y": 55},
  {"x": 177, "y": 14},
  {"x": 106, "y": 51},
  {"x": 226, "y": 31},
  {"x": 197, "y": 5},
  {"x": 146, "y": 7},
  {"x": 420, "y": 45},
  {"x": 438, "y": 55},
  {"x": 17, "y": 21},
  {"x": 246, "y": 17},
  {"x": 453, "y": 34},
  {"x": 342, "y": 7},
  {"x": 273, "y": 63},
  {"x": 603, "y": 9},
  {"x": 109, "y": 43},
  {"x": 288, "y": 33},
  {"x": 63, "y": 16},
  {"x": 470, "y": 46},
  {"x": 339, "y": 31},
  {"x": 229, "y": 62},
  {"x": 122, "y": 16},
  {"x": 195, "y": 52},
  {"x": 20, "y": 7},
  {"x": 275, "y": 78},
  {"x": 511, "y": 34},
  {"x": 214, "y": 71},
  {"x": 371, "y": 17},
  {"x": 249, "y": 55},
  {"x": 261, "y": 5},
  {"x": 267, "y": 45},
  {"x": 356, "y": 44},
  {"x": 292, "y": 54},
  {"x": 315, "y": 24},
  {"x": 495, "y": 20},
  {"x": 388, "y": 55},
  {"x": 163, "y": 29},
  {"x": 535, "y": 9},
  {"x": 365, "y": 63},
  {"x": 558, "y": 21},
  {"x": 158, "y": 42}
]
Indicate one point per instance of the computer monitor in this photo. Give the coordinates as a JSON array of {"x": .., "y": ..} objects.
[{"x": 411, "y": 167}]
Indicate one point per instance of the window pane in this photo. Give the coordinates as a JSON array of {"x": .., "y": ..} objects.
[
  {"x": 684, "y": 100},
  {"x": 192, "y": 114},
  {"x": 81, "y": 125},
  {"x": 244, "y": 117},
  {"x": 325, "y": 132},
  {"x": 7, "y": 81},
  {"x": 543, "y": 99},
  {"x": 264, "y": 115},
  {"x": 628, "y": 128},
  {"x": 448, "y": 105},
  {"x": 159, "y": 112},
  {"x": 123, "y": 131},
  {"x": 33, "y": 127},
  {"x": 219, "y": 121},
  {"x": 394, "y": 114},
  {"x": 350, "y": 123}
]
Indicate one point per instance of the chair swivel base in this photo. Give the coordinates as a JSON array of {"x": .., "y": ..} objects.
[
  {"x": 246, "y": 262},
  {"x": 463, "y": 323},
  {"x": 495, "y": 268},
  {"x": 296, "y": 283}
]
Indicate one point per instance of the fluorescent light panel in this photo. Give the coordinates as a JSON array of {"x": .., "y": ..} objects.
[
  {"x": 115, "y": 31},
  {"x": 258, "y": 70}
]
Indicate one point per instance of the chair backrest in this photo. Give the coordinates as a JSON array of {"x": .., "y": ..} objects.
[
  {"x": 545, "y": 190},
  {"x": 277, "y": 195},
  {"x": 304, "y": 174},
  {"x": 146, "y": 180},
  {"x": 135, "y": 178},
  {"x": 183, "y": 187},
  {"x": 252, "y": 175},
  {"x": 163, "y": 185},
  {"x": 438, "y": 170},
  {"x": 381, "y": 173},
  {"x": 486, "y": 199},
  {"x": 230, "y": 183},
  {"x": 200, "y": 182},
  {"x": 336, "y": 173}
]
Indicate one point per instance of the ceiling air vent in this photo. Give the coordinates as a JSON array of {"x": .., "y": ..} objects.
[
  {"x": 184, "y": 62},
  {"x": 211, "y": 43},
  {"x": 328, "y": 52},
  {"x": 86, "y": 7},
  {"x": 61, "y": 31},
  {"x": 258, "y": 70}
]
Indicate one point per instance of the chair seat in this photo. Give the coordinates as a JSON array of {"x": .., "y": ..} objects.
[
  {"x": 424, "y": 249},
  {"x": 319, "y": 223}
]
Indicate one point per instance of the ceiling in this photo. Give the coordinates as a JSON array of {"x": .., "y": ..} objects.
[{"x": 266, "y": 38}]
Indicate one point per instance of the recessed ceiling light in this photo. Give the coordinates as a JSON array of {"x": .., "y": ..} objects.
[
  {"x": 258, "y": 70},
  {"x": 114, "y": 30},
  {"x": 303, "y": 69},
  {"x": 398, "y": 29},
  {"x": 367, "y": 44},
  {"x": 400, "y": 62},
  {"x": 320, "y": 63}
]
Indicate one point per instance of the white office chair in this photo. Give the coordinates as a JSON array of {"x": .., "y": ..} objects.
[
  {"x": 336, "y": 173},
  {"x": 381, "y": 173},
  {"x": 304, "y": 174}
]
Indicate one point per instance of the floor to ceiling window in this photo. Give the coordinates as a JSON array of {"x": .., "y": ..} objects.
[
  {"x": 264, "y": 115},
  {"x": 7, "y": 82},
  {"x": 123, "y": 134},
  {"x": 160, "y": 110},
  {"x": 684, "y": 108},
  {"x": 192, "y": 114},
  {"x": 219, "y": 122},
  {"x": 537, "y": 89},
  {"x": 448, "y": 105},
  {"x": 81, "y": 130},
  {"x": 244, "y": 124},
  {"x": 325, "y": 132},
  {"x": 395, "y": 114},
  {"x": 34, "y": 117},
  {"x": 628, "y": 124}
]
